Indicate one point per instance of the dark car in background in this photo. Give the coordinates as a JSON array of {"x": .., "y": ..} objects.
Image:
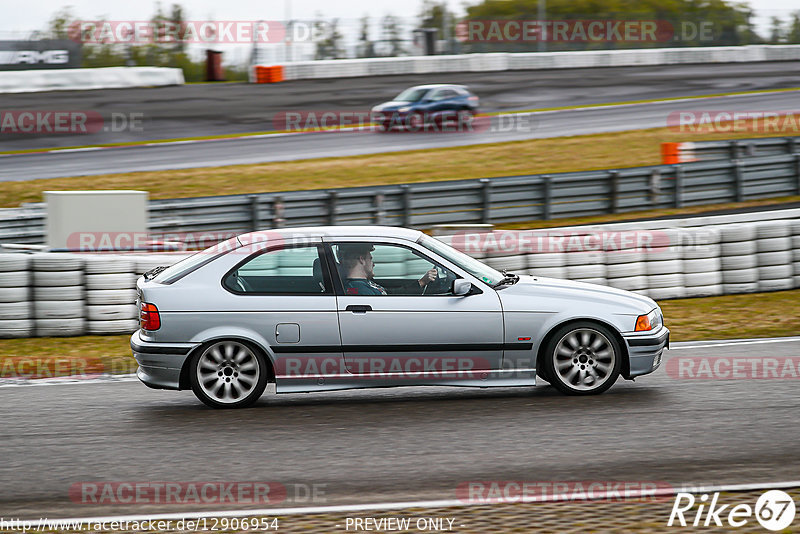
[{"x": 427, "y": 104}]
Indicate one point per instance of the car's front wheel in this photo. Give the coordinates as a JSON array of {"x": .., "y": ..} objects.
[
  {"x": 583, "y": 359},
  {"x": 228, "y": 374}
]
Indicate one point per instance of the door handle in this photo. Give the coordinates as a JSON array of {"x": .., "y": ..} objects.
[{"x": 359, "y": 308}]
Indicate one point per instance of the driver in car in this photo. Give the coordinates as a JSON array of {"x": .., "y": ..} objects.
[{"x": 356, "y": 261}]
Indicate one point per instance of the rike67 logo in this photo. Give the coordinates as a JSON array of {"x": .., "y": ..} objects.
[{"x": 774, "y": 510}]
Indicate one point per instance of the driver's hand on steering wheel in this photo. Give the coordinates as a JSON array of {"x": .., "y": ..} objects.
[{"x": 428, "y": 277}]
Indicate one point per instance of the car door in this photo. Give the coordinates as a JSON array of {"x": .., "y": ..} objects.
[
  {"x": 402, "y": 330},
  {"x": 285, "y": 293}
]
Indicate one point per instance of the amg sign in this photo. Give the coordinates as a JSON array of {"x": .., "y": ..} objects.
[{"x": 45, "y": 54}]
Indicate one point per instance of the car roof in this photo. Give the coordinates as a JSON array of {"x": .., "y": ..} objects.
[
  {"x": 331, "y": 232},
  {"x": 439, "y": 85}
]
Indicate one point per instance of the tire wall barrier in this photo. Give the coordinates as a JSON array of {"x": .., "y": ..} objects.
[
  {"x": 493, "y": 62},
  {"x": 683, "y": 261},
  {"x": 31, "y": 81},
  {"x": 62, "y": 294}
]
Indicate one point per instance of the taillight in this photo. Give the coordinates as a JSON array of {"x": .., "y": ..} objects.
[{"x": 149, "y": 319}]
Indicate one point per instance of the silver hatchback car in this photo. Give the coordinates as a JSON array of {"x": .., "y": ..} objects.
[{"x": 325, "y": 308}]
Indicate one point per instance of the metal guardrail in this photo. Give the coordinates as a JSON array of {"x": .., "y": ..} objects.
[{"x": 486, "y": 200}]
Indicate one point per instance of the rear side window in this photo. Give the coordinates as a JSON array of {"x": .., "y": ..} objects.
[
  {"x": 285, "y": 271},
  {"x": 192, "y": 263}
]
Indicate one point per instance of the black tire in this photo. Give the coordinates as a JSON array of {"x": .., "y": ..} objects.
[
  {"x": 255, "y": 387},
  {"x": 590, "y": 341}
]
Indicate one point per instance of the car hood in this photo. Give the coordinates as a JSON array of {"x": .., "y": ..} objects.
[
  {"x": 554, "y": 294},
  {"x": 391, "y": 105}
]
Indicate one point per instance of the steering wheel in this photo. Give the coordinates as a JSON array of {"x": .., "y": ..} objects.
[{"x": 442, "y": 283}]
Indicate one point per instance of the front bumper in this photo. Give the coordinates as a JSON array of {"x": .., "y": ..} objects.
[
  {"x": 645, "y": 351},
  {"x": 160, "y": 364}
]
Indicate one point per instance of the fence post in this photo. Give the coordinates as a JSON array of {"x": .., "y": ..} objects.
[
  {"x": 333, "y": 200},
  {"x": 486, "y": 213},
  {"x": 406, "y": 204},
  {"x": 547, "y": 204},
  {"x": 613, "y": 178},
  {"x": 738, "y": 177},
  {"x": 278, "y": 212},
  {"x": 797, "y": 171},
  {"x": 734, "y": 149},
  {"x": 254, "y": 214},
  {"x": 379, "y": 212},
  {"x": 678, "y": 186},
  {"x": 655, "y": 186}
]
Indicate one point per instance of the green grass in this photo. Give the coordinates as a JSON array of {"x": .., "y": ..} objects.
[
  {"x": 734, "y": 316},
  {"x": 536, "y": 156}
]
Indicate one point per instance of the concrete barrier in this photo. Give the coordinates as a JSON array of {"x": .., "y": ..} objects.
[
  {"x": 30, "y": 81},
  {"x": 493, "y": 62}
]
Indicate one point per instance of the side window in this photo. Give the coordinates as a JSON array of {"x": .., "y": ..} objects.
[
  {"x": 435, "y": 96},
  {"x": 381, "y": 269},
  {"x": 295, "y": 270}
]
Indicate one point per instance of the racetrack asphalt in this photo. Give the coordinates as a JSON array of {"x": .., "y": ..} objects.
[
  {"x": 398, "y": 444},
  {"x": 230, "y": 109},
  {"x": 280, "y": 147}
]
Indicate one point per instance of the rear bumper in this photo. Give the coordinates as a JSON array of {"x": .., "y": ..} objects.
[
  {"x": 645, "y": 352},
  {"x": 160, "y": 364}
]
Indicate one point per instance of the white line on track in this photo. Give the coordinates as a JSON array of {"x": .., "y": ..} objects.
[
  {"x": 730, "y": 343},
  {"x": 445, "y": 503}
]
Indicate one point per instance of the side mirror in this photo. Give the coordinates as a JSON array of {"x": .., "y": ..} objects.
[{"x": 461, "y": 286}]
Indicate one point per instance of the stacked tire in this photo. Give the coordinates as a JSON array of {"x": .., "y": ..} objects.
[
  {"x": 16, "y": 310},
  {"x": 796, "y": 252},
  {"x": 700, "y": 249},
  {"x": 58, "y": 295},
  {"x": 151, "y": 261},
  {"x": 664, "y": 267},
  {"x": 626, "y": 268},
  {"x": 738, "y": 260},
  {"x": 547, "y": 264},
  {"x": 774, "y": 255},
  {"x": 588, "y": 267},
  {"x": 512, "y": 264},
  {"x": 111, "y": 295}
]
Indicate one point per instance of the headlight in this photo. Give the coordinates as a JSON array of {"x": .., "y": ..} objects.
[
  {"x": 404, "y": 109},
  {"x": 651, "y": 321}
]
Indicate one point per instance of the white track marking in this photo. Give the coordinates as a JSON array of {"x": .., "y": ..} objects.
[
  {"x": 445, "y": 503},
  {"x": 705, "y": 344}
]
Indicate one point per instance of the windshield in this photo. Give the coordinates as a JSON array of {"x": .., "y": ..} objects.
[
  {"x": 471, "y": 265},
  {"x": 411, "y": 95}
]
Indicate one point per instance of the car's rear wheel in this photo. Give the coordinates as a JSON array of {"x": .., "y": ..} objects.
[
  {"x": 228, "y": 374},
  {"x": 583, "y": 359}
]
